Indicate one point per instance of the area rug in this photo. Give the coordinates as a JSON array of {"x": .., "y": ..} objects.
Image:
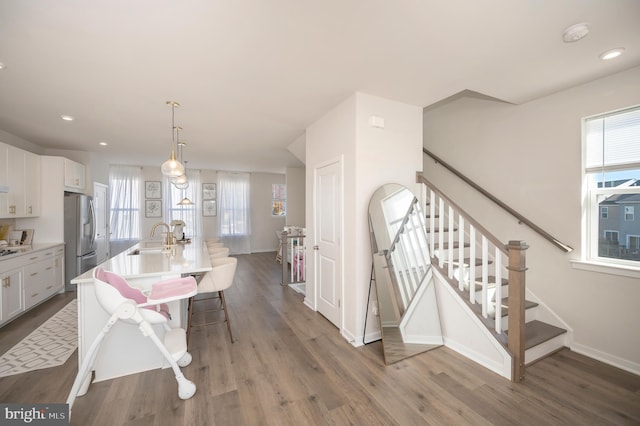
[{"x": 49, "y": 345}]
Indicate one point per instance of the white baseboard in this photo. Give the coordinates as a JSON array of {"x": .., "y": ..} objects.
[
  {"x": 623, "y": 364},
  {"x": 372, "y": 336}
]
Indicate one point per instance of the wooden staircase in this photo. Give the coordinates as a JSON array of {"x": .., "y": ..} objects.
[{"x": 472, "y": 261}]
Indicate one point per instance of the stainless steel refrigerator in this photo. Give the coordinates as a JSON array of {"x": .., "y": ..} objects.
[{"x": 79, "y": 236}]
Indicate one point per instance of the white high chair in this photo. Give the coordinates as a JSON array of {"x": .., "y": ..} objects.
[{"x": 133, "y": 306}]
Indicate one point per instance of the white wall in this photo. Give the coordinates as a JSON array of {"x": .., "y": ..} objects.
[
  {"x": 529, "y": 156},
  {"x": 263, "y": 224},
  {"x": 332, "y": 138},
  {"x": 295, "y": 179},
  {"x": 371, "y": 157},
  {"x": 10, "y": 139},
  {"x": 209, "y": 223}
]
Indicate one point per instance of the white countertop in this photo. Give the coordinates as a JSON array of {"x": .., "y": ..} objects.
[
  {"x": 23, "y": 250},
  {"x": 190, "y": 258}
]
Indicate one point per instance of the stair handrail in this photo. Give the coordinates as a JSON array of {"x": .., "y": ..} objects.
[
  {"x": 521, "y": 219},
  {"x": 496, "y": 242}
]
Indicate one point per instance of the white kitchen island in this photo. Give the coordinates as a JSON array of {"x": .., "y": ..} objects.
[{"x": 125, "y": 350}]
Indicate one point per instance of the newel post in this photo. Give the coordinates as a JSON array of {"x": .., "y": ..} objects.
[{"x": 517, "y": 268}]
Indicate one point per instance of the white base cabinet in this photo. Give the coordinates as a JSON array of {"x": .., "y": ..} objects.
[
  {"x": 12, "y": 295},
  {"x": 29, "y": 279}
]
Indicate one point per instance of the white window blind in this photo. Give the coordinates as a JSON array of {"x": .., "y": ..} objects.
[{"x": 613, "y": 141}]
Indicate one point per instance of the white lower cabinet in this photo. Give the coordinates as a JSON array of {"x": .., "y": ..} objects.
[
  {"x": 38, "y": 282},
  {"x": 12, "y": 298},
  {"x": 34, "y": 277}
]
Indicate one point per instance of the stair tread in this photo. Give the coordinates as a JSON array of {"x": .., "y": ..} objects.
[
  {"x": 528, "y": 304},
  {"x": 537, "y": 332},
  {"x": 445, "y": 245},
  {"x": 445, "y": 229},
  {"x": 491, "y": 281},
  {"x": 467, "y": 261}
]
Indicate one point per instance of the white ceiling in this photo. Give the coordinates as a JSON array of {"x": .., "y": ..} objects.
[{"x": 251, "y": 75}]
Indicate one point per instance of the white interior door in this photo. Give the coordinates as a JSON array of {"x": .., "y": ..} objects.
[
  {"x": 100, "y": 202},
  {"x": 328, "y": 247}
]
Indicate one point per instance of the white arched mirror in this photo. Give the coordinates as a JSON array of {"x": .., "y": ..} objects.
[{"x": 407, "y": 305}]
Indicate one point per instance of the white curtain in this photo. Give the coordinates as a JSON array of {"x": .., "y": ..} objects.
[
  {"x": 234, "y": 211},
  {"x": 190, "y": 215},
  {"x": 126, "y": 200}
]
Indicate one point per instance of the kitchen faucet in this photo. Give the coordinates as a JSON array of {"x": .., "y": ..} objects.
[{"x": 168, "y": 241}]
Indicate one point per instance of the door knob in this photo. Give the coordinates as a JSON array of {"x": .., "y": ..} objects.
[{"x": 316, "y": 248}]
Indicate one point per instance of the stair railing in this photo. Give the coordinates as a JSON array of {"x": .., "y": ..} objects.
[
  {"x": 521, "y": 219},
  {"x": 467, "y": 246}
]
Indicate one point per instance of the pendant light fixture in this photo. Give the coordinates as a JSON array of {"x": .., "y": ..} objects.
[
  {"x": 185, "y": 201},
  {"x": 180, "y": 182},
  {"x": 172, "y": 167}
]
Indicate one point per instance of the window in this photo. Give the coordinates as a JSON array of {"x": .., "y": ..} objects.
[
  {"x": 611, "y": 236},
  {"x": 125, "y": 184},
  {"x": 234, "y": 211},
  {"x": 628, "y": 213},
  {"x": 189, "y": 214},
  {"x": 612, "y": 178},
  {"x": 278, "y": 199}
]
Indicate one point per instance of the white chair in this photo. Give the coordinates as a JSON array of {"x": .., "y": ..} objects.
[
  {"x": 214, "y": 245},
  {"x": 217, "y": 280},
  {"x": 218, "y": 252},
  {"x": 144, "y": 309}
]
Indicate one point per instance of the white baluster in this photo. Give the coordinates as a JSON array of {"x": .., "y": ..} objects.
[
  {"x": 472, "y": 271},
  {"x": 498, "y": 271},
  {"x": 485, "y": 274},
  {"x": 450, "y": 249},
  {"x": 461, "y": 271}
]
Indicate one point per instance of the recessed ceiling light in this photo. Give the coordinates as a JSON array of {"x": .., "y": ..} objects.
[
  {"x": 1, "y": 66},
  {"x": 103, "y": 143},
  {"x": 66, "y": 117},
  {"x": 575, "y": 32},
  {"x": 613, "y": 53}
]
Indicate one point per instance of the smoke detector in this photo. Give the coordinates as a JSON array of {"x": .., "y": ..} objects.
[{"x": 575, "y": 32}]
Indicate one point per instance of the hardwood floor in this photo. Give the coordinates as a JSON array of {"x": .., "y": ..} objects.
[{"x": 290, "y": 366}]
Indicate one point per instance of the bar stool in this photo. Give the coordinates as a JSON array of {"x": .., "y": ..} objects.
[
  {"x": 218, "y": 252},
  {"x": 214, "y": 244},
  {"x": 217, "y": 280}
]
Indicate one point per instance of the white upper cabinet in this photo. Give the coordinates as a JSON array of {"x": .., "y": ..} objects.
[
  {"x": 17, "y": 184},
  {"x": 74, "y": 176},
  {"x": 33, "y": 195},
  {"x": 4, "y": 184},
  {"x": 20, "y": 173}
]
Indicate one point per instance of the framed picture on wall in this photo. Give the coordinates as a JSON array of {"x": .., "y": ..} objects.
[
  {"x": 152, "y": 189},
  {"x": 208, "y": 191},
  {"x": 152, "y": 208},
  {"x": 208, "y": 207}
]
